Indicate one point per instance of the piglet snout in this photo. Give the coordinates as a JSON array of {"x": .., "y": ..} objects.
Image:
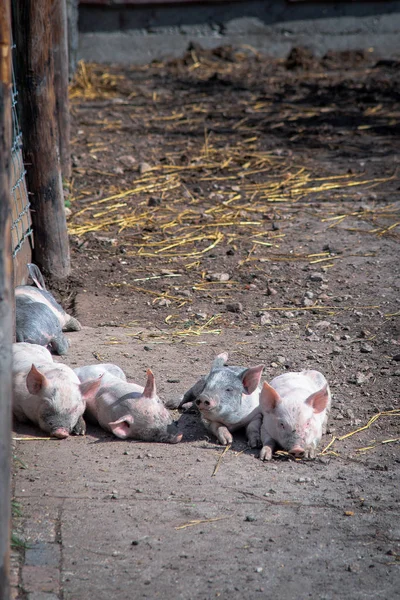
[
  {"x": 297, "y": 451},
  {"x": 60, "y": 433},
  {"x": 206, "y": 403}
]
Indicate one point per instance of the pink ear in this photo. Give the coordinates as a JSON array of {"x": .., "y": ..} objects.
[
  {"x": 319, "y": 400},
  {"x": 251, "y": 378},
  {"x": 35, "y": 380},
  {"x": 90, "y": 388},
  {"x": 269, "y": 398},
  {"x": 120, "y": 428},
  {"x": 150, "y": 387},
  {"x": 223, "y": 356}
]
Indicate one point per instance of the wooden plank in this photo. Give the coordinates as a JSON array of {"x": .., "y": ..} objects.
[
  {"x": 6, "y": 294},
  {"x": 59, "y": 30},
  {"x": 37, "y": 109}
]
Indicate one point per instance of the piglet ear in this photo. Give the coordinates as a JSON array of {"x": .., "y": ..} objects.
[
  {"x": 120, "y": 428},
  {"x": 251, "y": 378},
  {"x": 35, "y": 380},
  {"x": 90, "y": 388},
  {"x": 269, "y": 398},
  {"x": 319, "y": 400},
  {"x": 219, "y": 361},
  {"x": 150, "y": 387}
]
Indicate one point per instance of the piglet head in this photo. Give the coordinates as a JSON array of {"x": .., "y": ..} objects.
[
  {"x": 148, "y": 419},
  {"x": 290, "y": 421}
]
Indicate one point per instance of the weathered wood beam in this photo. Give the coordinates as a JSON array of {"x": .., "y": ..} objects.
[
  {"x": 37, "y": 109},
  {"x": 6, "y": 294}
]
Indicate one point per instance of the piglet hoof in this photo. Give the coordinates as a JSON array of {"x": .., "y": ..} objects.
[
  {"x": 80, "y": 427},
  {"x": 224, "y": 437},
  {"x": 310, "y": 452},
  {"x": 265, "y": 453},
  {"x": 254, "y": 441}
]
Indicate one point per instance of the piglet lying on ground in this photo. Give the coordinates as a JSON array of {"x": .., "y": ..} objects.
[
  {"x": 295, "y": 409},
  {"x": 126, "y": 409},
  {"x": 48, "y": 394},
  {"x": 39, "y": 318},
  {"x": 228, "y": 399}
]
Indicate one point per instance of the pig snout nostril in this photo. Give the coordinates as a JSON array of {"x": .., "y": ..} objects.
[
  {"x": 207, "y": 402},
  {"x": 198, "y": 402}
]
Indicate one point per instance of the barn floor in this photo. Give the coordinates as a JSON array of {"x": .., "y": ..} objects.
[{"x": 226, "y": 201}]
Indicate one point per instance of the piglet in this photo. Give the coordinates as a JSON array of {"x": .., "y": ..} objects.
[
  {"x": 295, "y": 408},
  {"x": 43, "y": 296},
  {"x": 228, "y": 399},
  {"x": 47, "y": 393},
  {"x": 128, "y": 410},
  {"x": 37, "y": 324}
]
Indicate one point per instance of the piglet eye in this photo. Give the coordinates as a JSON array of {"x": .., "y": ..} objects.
[{"x": 229, "y": 389}]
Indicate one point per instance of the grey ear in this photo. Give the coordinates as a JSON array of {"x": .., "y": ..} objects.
[{"x": 219, "y": 361}]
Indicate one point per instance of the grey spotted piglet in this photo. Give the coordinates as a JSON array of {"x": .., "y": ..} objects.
[
  {"x": 295, "y": 408},
  {"x": 47, "y": 393},
  {"x": 39, "y": 318},
  {"x": 228, "y": 399}
]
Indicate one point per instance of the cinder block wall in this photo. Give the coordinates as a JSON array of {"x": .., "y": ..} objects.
[{"x": 138, "y": 34}]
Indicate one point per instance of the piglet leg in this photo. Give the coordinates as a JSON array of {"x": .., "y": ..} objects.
[
  {"x": 221, "y": 432},
  {"x": 80, "y": 427},
  {"x": 268, "y": 445},
  {"x": 253, "y": 432}
]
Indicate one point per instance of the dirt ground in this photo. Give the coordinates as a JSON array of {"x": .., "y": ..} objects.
[{"x": 229, "y": 202}]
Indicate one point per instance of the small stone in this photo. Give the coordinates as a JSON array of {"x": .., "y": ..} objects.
[
  {"x": 281, "y": 360},
  {"x": 274, "y": 365},
  {"x": 259, "y": 569},
  {"x": 302, "y": 480},
  {"x": 126, "y": 453},
  {"x": 135, "y": 543},
  {"x": 288, "y": 315},
  {"x": 265, "y": 319},
  {"x": 271, "y": 291},
  {"x": 323, "y": 324},
  {"x": 396, "y": 357},
  {"x": 153, "y": 201},
  {"x": 361, "y": 378},
  {"x": 68, "y": 212},
  {"x": 147, "y": 348},
  {"x": 353, "y": 568},
  {"x": 250, "y": 518},
  {"x": 339, "y": 417},
  {"x": 337, "y": 350},
  {"x": 144, "y": 167},
  {"x": 308, "y": 302},
  {"x": 309, "y": 332},
  {"x": 218, "y": 277},
  {"x": 396, "y": 373},
  {"x": 164, "y": 302},
  {"x": 366, "y": 348},
  {"x": 235, "y": 307},
  {"x": 127, "y": 160},
  {"x": 201, "y": 315},
  {"x": 309, "y": 294},
  {"x": 173, "y": 380},
  {"x": 316, "y": 277}
]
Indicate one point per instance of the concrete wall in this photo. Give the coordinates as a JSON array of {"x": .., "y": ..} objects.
[{"x": 139, "y": 34}]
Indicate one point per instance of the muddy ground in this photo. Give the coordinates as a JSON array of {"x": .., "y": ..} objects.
[{"x": 226, "y": 201}]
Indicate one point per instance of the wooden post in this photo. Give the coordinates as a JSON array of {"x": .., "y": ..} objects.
[
  {"x": 6, "y": 298},
  {"x": 59, "y": 29},
  {"x": 37, "y": 108}
]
